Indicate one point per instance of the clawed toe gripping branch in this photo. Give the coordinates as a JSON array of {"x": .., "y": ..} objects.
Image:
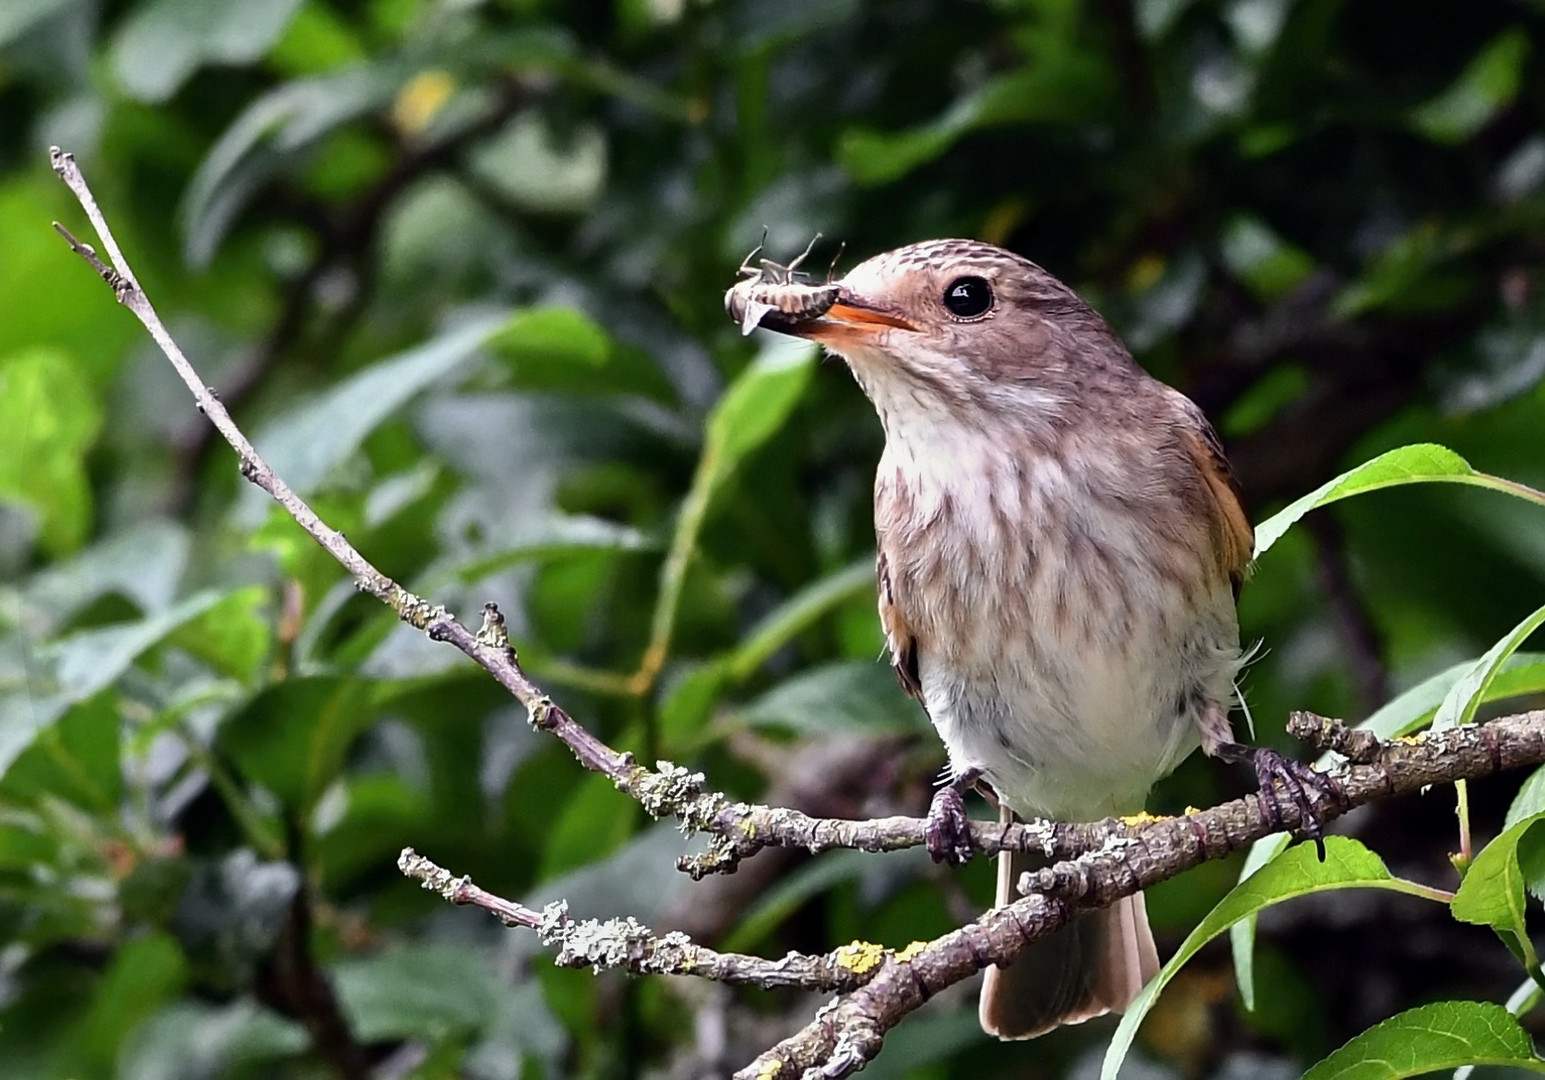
[{"x": 1092, "y": 864}]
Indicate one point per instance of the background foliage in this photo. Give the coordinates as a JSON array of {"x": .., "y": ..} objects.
[{"x": 458, "y": 265}]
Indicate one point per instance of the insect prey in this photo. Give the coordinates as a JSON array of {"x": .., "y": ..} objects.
[{"x": 772, "y": 287}]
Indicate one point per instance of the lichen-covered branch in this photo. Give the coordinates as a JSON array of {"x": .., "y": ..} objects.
[
  {"x": 848, "y": 1033},
  {"x": 625, "y": 944}
]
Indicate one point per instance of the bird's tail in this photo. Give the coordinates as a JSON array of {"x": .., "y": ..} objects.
[{"x": 1093, "y": 966}]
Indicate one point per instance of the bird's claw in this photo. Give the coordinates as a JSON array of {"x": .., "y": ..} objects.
[
  {"x": 1302, "y": 784},
  {"x": 948, "y": 831}
]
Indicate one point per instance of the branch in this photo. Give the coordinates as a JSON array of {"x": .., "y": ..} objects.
[
  {"x": 849, "y": 1032},
  {"x": 1099, "y": 862},
  {"x": 627, "y": 945}
]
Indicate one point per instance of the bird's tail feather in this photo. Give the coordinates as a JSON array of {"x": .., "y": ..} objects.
[{"x": 1094, "y": 966}]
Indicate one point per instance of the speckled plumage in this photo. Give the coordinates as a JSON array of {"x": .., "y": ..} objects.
[{"x": 1060, "y": 543}]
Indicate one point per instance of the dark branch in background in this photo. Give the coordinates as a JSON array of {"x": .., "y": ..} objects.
[
  {"x": 1362, "y": 371},
  {"x": 1096, "y": 863},
  {"x": 347, "y": 245},
  {"x": 1359, "y": 637},
  {"x": 292, "y": 984}
]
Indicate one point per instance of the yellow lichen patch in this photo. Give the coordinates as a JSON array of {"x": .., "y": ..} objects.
[
  {"x": 1409, "y": 740},
  {"x": 1193, "y": 809},
  {"x": 770, "y": 1068},
  {"x": 1140, "y": 819},
  {"x": 859, "y": 957},
  {"x": 421, "y": 99},
  {"x": 911, "y": 950}
]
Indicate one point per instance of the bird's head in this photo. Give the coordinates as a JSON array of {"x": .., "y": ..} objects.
[{"x": 957, "y": 324}]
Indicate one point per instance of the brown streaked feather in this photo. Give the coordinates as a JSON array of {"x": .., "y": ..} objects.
[
  {"x": 898, "y": 638},
  {"x": 1235, "y": 533}
]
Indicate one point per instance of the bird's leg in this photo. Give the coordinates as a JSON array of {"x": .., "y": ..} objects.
[
  {"x": 948, "y": 832},
  {"x": 1302, "y": 784}
]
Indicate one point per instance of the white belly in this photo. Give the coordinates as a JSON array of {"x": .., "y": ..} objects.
[{"x": 1068, "y": 730}]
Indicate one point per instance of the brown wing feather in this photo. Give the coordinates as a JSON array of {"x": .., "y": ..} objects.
[
  {"x": 898, "y": 638},
  {"x": 1236, "y": 535}
]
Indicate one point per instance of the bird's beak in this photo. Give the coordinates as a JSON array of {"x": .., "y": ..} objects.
[{"x": 851, "y": 317}]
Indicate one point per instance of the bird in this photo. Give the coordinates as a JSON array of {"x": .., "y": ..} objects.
[{"x": 1060, "y": 547}]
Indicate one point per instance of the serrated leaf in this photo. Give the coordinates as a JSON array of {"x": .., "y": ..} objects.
[
  {"x": 1492, "y": 893},
  {"x": 1466, "y": 695},
  {"x": 1416, "y": 464},
  {"x": 1298, "y": 872},
  {"x": 1444, "y": 1035},
  {"x": 1521, "y": 673}
]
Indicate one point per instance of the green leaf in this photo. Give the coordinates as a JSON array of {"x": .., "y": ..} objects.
[
  {"x": 76, "y": 759},
  {"x": 48, "y": 420},
  {"x": 856, "y": 696},
  {"x": 162, "y": 42},
  {"x": 268, "y": 135},
  {"x": 1064, "y": 87},
  {"x": 1519, "y": 674},
  {"x": 75, "y": 668},
  {"x": 293, "y": 737},
  {"x": 142, "y": 562},
  {"x": 233, "y": 636},
  {"x": 1416, "y": 464},
  {"x": 1444, "y": 1035},
  {"x": 426, "y": 991},
  {"x": 1529, "y": 801},
  {"x": 143, "y": 974},
  {"x": 562, "y": 349},
  {"x": 306, "y": 445},
  {"x": 799, "y": 612},
  {"x": 755, "y": 406},
  {"x": 1466, "y": 695},
  {"x": 189, "y": 1038},
  {"x": 1298, "y": 872},
  {"x": 1242, "y": 933},
  {"x": 1487, "y": 84},
  {"x": 1262, "y": 259},
  {"x": 1492, "y": 893}
]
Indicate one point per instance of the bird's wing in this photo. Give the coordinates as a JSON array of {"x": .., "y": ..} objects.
[
  {"x": 1223, "y": 495},
  {"x": 898, "y": 637}
]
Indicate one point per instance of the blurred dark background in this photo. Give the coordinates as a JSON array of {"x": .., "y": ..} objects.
[{"x": 458, "y": 266}]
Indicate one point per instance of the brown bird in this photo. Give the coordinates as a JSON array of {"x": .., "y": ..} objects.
[{"x": 1061, "y": 545}]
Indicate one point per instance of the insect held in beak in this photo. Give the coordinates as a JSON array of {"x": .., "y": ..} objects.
[{"x": 772, "y": 288}]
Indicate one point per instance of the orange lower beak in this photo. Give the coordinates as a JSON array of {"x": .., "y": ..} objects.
[{"x": 851, "y": 316}]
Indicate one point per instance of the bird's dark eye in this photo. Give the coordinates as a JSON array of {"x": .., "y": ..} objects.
[{"x": 968, "y": 297}]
